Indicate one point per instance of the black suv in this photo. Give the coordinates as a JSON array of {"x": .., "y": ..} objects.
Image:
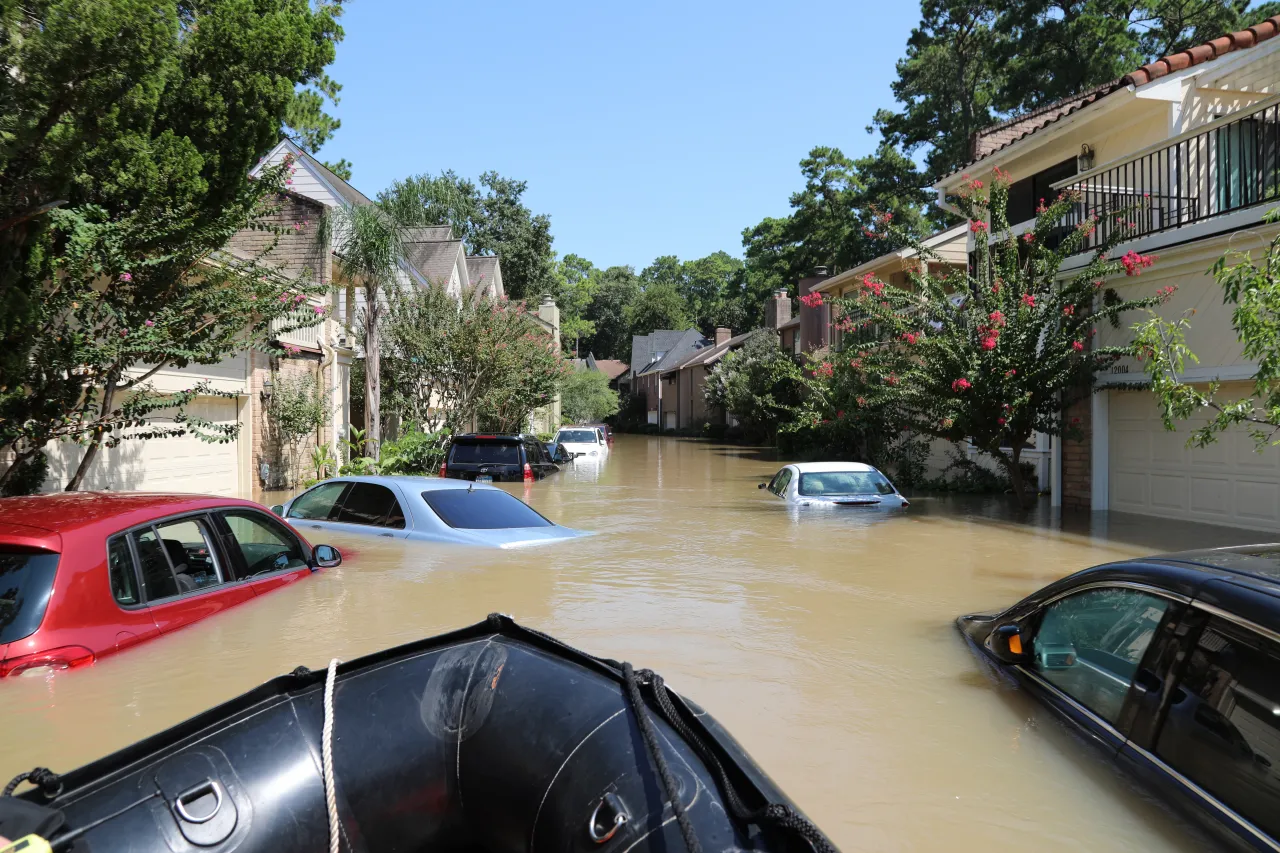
[
  {"x": 1171, "y": 665},
  {"x": 497, "y": 458}
]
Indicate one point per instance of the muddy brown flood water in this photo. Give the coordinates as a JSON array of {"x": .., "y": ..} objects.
[{"x": 823, "y": 640}]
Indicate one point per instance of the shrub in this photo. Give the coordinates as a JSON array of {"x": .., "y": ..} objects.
[
  {"x": 586, "y": 397},
  {"x": 415, "y": 452}
]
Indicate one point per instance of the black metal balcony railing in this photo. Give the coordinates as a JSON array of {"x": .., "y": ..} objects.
[{"x": 1227, "y": 166}]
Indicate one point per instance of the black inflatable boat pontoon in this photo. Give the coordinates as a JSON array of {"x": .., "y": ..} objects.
[{"x": 494, "y": 738}]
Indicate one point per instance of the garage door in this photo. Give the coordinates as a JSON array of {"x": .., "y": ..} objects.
[
  {"x": 1153, "y": 472},
  {"x": 184, "y": 464}
]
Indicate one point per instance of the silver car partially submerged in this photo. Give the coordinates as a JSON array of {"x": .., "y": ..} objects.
[
  {"x": 427, "y": 509},
  {"x": 834, "y": 484}
]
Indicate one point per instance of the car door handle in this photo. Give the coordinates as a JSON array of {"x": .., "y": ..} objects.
[
  {"x": 1146, "y": 682},
  {"x": 388, "y": 535}
]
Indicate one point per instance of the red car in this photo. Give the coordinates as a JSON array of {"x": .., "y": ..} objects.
[{"x": 86, "y": 574}]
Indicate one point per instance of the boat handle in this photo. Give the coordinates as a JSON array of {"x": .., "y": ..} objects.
[
  {"x": 192, "y": 794},
  {"x": 620, "y": 817}
]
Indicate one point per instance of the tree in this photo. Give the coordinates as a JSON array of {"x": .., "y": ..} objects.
[
  {"x": 493, "y": 222},
  {"x": 297, "y": 410},
  {"x": 759, "y": 385},
  {"x": 131, "y": 130},
  {"x": 576, "y": 280},
  {"x": 1254, "y": 289},
  {"x": 658, "y": 306},
  {"x": 586, "y": 397},
  {"x": 993, "y": 356},
  {"x": 368, "y": 245},
  {"x": 714, "y": 292},
  {"x": 449, "y": 363},
  {"x": 613, "y": 293},
  {"x": 947, "y": 83}
]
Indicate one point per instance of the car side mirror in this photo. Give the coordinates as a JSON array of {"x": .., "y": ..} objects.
[
  {"x": 327, "y": 557},
  {"x": 761, "y": 485},
  {"x": 278, "y": 509},
  {"x": 1006, "y": 645}
]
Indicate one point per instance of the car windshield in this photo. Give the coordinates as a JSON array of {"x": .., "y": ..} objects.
[
  {"x": 482, "y": 509},
  {"x": 26, "y": 580},
  {"x": 485, "y": 453},
  {"x": 577, "y": 436},
  {"x": 833, "y": 483}
]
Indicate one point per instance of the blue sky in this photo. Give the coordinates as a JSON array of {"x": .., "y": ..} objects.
[{"x": 642, "y": 129}]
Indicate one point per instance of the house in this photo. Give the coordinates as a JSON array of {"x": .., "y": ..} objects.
[
  {"x": 650, "y": 355},
  {"x": 687, "y": 406},
  {"x": 547, "y": 418},
  {"x": 613, "y": 368},
  {"x": 1189, "y": 143}
]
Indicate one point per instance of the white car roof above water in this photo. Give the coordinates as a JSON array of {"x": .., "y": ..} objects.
[
  {"x": 423, "y": 483},
  {"x": 828, "y": 467}
]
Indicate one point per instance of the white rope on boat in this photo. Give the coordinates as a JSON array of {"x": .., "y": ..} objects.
[{"x": 326, "y": 757}]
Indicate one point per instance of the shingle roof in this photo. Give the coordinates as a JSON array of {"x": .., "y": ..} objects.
[
  {"x": 992, "y": 139},
  {"x": 429, "y": 234},
  {"x": 434, "y": 260},
  {"x": 611, "y": 367},
  {"x": 673, "y": 345},
  {"x": 709, "y": 354},
  {"x": 483, "y": 272}
]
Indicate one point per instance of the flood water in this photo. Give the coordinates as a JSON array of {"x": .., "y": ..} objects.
[{"x": 823, "y": 640}]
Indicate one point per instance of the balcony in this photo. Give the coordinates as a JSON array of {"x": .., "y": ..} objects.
[
  {"x": 1227, "y": 165},
  {"x": 307, "y": 338}
]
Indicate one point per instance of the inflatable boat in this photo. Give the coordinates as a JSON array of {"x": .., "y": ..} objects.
[{"x": 494, "y": 738}]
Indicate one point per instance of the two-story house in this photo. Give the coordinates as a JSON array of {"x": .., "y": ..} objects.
[{"x": 1188, "y": 148}]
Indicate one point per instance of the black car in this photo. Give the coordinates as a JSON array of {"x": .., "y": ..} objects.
[
  {"x": 1171, "y": 665},
  {"x": 497, "y": 458}
]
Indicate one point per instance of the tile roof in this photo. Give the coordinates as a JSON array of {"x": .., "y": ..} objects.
[{"x": 991, "y": 139}]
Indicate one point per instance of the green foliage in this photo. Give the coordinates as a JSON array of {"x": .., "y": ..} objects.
[
  {"x": 993, "y": 356},
  {"x": 658, "y": 306},
  {"x": 612, "y": 291},
  {"x": 323, "y": 461},
  {"x": 414, "y": 453},
  {"x": 493, "y": 222},
  {"x": 28, "y": 475},
  {"x": 585, "y": 397},
  {"x": 447, "y": 364},
  {"x": 296, "y": 411},
  {"x": 1253, "y": 288},
  {"x": 760, "y": 385}
]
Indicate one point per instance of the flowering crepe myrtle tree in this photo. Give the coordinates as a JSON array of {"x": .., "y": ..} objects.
[
  {"x": 992, "y": 355},
  {"x": 1253, "y": 288},
  {"x": 116, "y": 313}
]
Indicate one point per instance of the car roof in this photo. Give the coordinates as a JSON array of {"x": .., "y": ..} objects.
[
  {"x": 1261, "y": 561},
  {"x": 64, "y": 512},
  {"x": 412, "y": 483},
  {"x": 490, "y": 436},
  {"x": 828, "y": 467}
]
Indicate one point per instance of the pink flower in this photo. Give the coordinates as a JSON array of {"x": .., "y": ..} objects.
[
  {"x": 149, "y": 322},
  {"x": 977, "y": 226},
  {"x": 1000, "y": 421},
  {"x": 862, "y": 401},
  {"x": 948, "y": 423},
  {"x": 1028, "y": 300},
  {"x": 1134, "y": 263},
  {"x": 960, "y": 384},
  {"x": 1028, "y": 237},
  {"x": 870, "y": 283},
  {"x": 891, "y": 379},
  {"x": 1078, "y": 346},
  {"x": 997, "y": 319},
  {"x": 824, "y": 370},
  {"x": 1165, "y": 293},
  {"x": 856, "y": 363},
  {"x": 811, "y": 300},
  {"x": 1009, "y": 374},
  {"x": 1069, "y": 310},
  {"x": 886, "y": 217},
  {"x": 989, "y": 343},
  {"x": 975, "y": 184},
  {"x": 124, "y": 333},
  {"x": 910, "y": 337},
  {"x": 124, "y": 276},
  {"x": 319, "y": 309}
]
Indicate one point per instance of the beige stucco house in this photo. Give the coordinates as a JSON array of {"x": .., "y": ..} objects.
[{"x": 1193, "y": 138}]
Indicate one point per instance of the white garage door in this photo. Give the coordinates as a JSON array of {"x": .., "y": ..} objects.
[
  {"x": 1153, "y": 472},
  {"x": 184, "y": 464}
]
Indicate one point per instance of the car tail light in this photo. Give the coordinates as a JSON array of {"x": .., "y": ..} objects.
[
  {"x": 528, "y": 472},
  {"x": 444, "y": 469},
  {"x": 65, "y": 657}
]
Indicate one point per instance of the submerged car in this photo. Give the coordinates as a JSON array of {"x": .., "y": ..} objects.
[
  {"x": 1171, "y": 666},
  {"x": 422, "y": 508},
  {"x": 583, "y": 441},
  {"x": 84, "y": 575},
  {"x": 834, "y": 484},
  {"x": 497, "y": 458}
]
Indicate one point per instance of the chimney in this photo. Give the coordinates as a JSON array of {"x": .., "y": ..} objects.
[
  {"x": 777, "y": 309},
  {"x": 723, "y": 335},
  {"x": 814, "y": 328}
]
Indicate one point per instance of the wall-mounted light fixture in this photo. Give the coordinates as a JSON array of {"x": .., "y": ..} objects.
[
  {"x": 266, "y": 389},
  {"x": 1084, "y": 160}
]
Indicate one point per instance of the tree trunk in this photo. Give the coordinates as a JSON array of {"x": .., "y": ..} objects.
[
  {"x": 18, "y": 459},
  {"x": 91, "y": 452},
  {"x": 372, "y": 372},
  {"x": 1014, "y": 465}
]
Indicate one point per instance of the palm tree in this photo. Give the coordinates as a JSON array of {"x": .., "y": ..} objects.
[{"x": 368, "y": 244}]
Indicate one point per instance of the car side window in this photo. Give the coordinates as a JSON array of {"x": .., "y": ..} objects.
[
  {"x": 120, "y": 569},
  {"x": 319, "y": 503},
  {"x": 265, "y": 545},
  {"x": 369, "y": 504},
  {"x": 781, "y": 483},
  {"x": 177, "y": 557},
  {"x": 1089, "y": 645},
  {"x": 1223, "y": 726}
]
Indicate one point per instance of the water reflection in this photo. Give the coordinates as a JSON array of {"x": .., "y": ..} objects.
[{"x": 824, "y": 641}]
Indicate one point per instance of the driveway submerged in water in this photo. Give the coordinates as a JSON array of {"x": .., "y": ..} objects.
[{"x": 823, "y": 640}]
